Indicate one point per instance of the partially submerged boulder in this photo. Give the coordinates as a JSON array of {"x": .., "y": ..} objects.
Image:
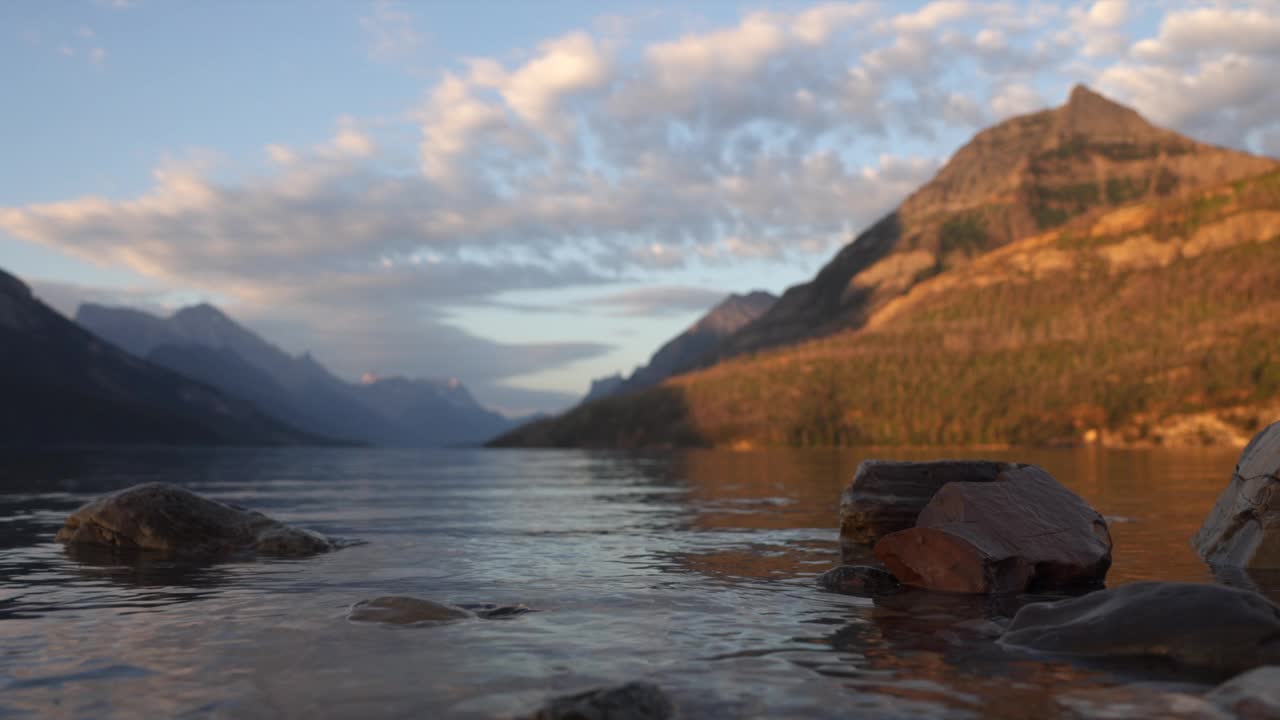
[
  {"x": 633, "y": 701},
  {"x": 859, "y": 580},
  {"x": 1021, "y": 531},
  {"x": 167, "y": 518},
  {"x": 1243, "y": 529},
  {"x": 402, "y": 610},
  {"x": 1195, "y": 625},
  {"x": 886, "y": 496},
  {"x": 1254, "y": 695}
]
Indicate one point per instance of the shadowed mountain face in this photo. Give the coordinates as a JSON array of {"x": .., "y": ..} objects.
[
  {"x": 689, "y": 347},
  {"x": 204, "y": 343},
  {"x": 62, "y": 385},
  {"x": 1027, "y": 175},
  {"x": 1072, "y": 275}
]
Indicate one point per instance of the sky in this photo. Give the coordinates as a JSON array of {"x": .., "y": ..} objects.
[{"x": 526, "y": 196}]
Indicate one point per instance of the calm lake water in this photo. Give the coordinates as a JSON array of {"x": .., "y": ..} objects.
[{"x": 694, "y": 570}]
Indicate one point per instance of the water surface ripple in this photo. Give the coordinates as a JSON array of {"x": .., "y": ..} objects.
[{"x": 691, "y": 569}]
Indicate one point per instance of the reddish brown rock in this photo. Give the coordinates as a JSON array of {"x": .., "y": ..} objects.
[
  {"x": 886, "y": 496},
  {"x": 1021, "y": 531},
  {"x": 1243, "y": 529}
]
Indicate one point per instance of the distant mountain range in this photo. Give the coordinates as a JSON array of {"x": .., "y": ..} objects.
[
  {"x": 1072, "y": 275},
  {"x": 687, "y": 349},
  {"x": 61, "y": 385},
  {"x": 202, "y": 342}
]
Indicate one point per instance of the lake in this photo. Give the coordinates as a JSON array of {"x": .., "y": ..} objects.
[{"x": 694, "y": 570}]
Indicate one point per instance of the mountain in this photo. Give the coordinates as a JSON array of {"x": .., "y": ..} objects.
[
  {"x": 204, "y": 343},
  {"x": 1072, "y": 275},
  {"x": 688, "y": 348},
  {"x": 62, "y": 385}
]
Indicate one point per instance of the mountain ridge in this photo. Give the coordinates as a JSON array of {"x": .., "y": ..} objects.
[
  {"x": 204, "y": 342},
  {"x": 63, "y": 385},
  {"x": 941, "y": 325}
]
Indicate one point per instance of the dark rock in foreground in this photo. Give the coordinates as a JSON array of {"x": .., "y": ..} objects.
[
  {"x": 887, "y": 496},
  {"x": 1210, "y": 627},
  {"x": 859, "y": 580},
  {"x": 1243, "y": 529},
  {"x": 633, "y": 701},
  {"x": 1022, "y": 531},
  {"x": 167, "y": 518},
  {"x": 399, "y": 610}
]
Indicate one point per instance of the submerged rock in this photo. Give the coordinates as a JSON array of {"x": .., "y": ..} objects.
[
  {"x": 1021, "y": 531},
  {"x": 1201, "y": 626},
  {"x": 167, "y": 518},
  {"x": 859, "y": 580},
  {"x": 1126, "y": 703},
  {"x": 633, "y": 701},
  {"x": 1243, "y": 529},
  {"x": 1254, "y": 695},
  {"x": 887, "y": 496},
  {"x": 401, "y": 610}
]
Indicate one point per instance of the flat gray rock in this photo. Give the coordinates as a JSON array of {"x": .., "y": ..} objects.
[
  {"x": 402, "y": 610},
  {"x": 633, "y": 701},
  {"x": 167, "y": 518},
  {"x": 1243, "y": 529},
  {"x": 1194, "y": 625}
]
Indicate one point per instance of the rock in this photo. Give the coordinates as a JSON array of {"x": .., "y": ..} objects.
[
  {"x": 1210, "y": 627},
  {"x": 1254, "y": 695},
  {"x": 633, "y": 701},
  {"x": 886, "y": 496},
  {"x": 167, "y": 518},
  {"x": 1125, "y": 703},
  {"x": 1243, "y": 529},
  {"x": 1023, "y": 531},
  {"x": 400, "y": 610},
  {"x": 859, "y": 580},
  {"x": 395, "y": 610}
]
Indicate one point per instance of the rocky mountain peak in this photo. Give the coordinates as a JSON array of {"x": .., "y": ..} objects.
[{"x": 1092, "y": 115}]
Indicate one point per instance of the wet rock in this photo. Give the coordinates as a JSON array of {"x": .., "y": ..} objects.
[
  {"x": 402, "y": 610},
  {"x": 1023, "y": 531},
  {"x": 633, "y": 701},
  {"x": 167, "y": 518},
  {"x": 1243, "y": 529},
  {"x": 1126, "y": 703},
  {"x": 1254, "y": 695},
  {"x": 886, "y": 496},
  {"x": 861, "y": 580},
  {"x": 1210, "y": 627}
]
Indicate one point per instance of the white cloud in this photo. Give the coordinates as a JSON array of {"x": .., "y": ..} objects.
[
  {"x": 595, "y": 158},
  {"x": 391, "y": 32}
]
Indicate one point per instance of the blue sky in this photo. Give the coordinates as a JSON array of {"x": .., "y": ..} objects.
[{"x": 530, "y": 195}]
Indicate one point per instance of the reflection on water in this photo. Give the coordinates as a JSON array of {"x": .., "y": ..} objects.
[{"x": 693, "y": 569}]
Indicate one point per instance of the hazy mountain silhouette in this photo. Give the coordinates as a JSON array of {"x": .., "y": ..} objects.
[
  {"x": 203, "y": 342},
  {"x": 63, "y": 385}
]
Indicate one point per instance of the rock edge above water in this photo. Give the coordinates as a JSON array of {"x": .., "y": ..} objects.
[{"x": 170, "y": 519}]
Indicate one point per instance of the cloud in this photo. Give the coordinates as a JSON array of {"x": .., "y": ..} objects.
[
  {"x": 660, "y": 300},
  {"x": 1209, "y": 72},
  {"x": 391, "y": 32},
  {"x": 599, "y": 158}
]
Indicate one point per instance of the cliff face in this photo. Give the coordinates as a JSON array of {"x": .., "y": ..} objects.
[{"x": 1075, "y": 275}]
